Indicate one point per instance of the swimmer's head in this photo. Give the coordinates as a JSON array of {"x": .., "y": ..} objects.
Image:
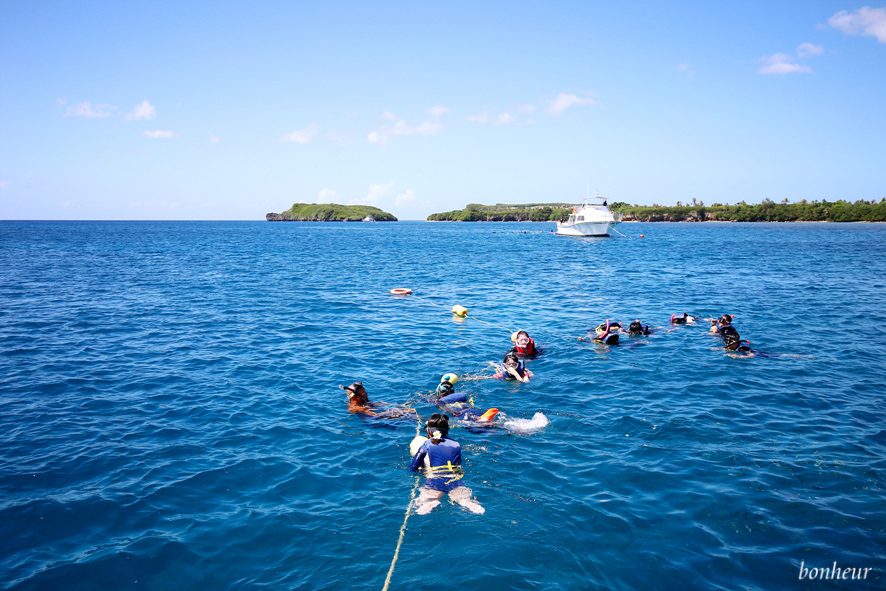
[
  {"x": 511, "y": 360},
  {"x": 725, "y": 319},
  {"x": 449, "y": 377},
  {"x": 732, "y": 341},
  {"x": 356, "y": 392},
  {"x": 635, "y": 327},
  {"x": 437, "y": 425},
  {"x": 521, "y": 338}
]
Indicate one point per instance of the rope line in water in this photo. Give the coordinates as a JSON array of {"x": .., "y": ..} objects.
[
  {"x": 614, "y": 230},
  {"x": 405, "y": 519}
]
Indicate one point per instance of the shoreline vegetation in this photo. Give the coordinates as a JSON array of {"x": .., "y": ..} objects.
[
  {"x": 697, "y": 211},
  {"x": 330, "y": 212}
]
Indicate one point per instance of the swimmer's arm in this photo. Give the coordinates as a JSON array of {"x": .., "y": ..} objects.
[
  {"x": 417, "y": 460},
  {"x": 514, "y": 373}
]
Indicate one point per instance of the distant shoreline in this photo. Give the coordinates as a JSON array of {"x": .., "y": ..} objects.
[{"x": 767, "y": 211}]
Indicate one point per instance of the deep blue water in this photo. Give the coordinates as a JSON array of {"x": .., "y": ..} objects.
[{"x": 170, "y": 417}]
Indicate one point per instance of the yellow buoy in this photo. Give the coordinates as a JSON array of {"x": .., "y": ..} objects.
[{"x": 459, "y": 311}]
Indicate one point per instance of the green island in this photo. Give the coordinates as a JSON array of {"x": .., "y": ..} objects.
[
  {"x": 330, "y": 212},
  {"x": 697, "y": 211}
]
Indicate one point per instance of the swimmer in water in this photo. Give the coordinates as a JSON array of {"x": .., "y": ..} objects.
[
  {"x": 683, "y": 318},
  {"x": 513, "y": 367},
  {"x": 440, "y": 458},
  {"x": 637, "y": 329},
  {"x": 717, "y": 325},
  {"x": 524, "y": 346},
  {"x": 732, "y": 341},
  {"x": 458, "y": 405},
  {"x": 606, "y": 333},
  {"x": 358, "y": 403}
]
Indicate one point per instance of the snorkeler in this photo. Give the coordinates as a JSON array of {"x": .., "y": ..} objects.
[
  {"x": 524, "y": 346},
  {"x": 457, "y": 403},
  {"x": 513, "y": 368},
  {"x": 358, "y": 402},
  {"x": 718, "y": 325},
  {"x": 636, "y": 328},
  {"x": 606, "y": 333},
  {"x": 683, "y": 318},
  {"x": 440, "y": 457},
  {"x": 733, "y": 342}
]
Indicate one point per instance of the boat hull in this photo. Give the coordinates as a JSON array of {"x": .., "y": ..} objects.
[{"x": 583, "y": 229}]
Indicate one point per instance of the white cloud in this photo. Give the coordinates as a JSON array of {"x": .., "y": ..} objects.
[
  {"x": 528, "y": 108},
  {"x": 866, "y": 21},
  {"x": 405, "y": 198},
  {"x": 301, "y": 136},
  {"x": 809, "y": 49},
  {"x": 326, "y": 196},
  {"x": 145, "y": 110},
  {"x": 98, "y": 111},
  {"x": 481, "y": 118},
  {"x": 438, "y": 111},
  {"x": 376, "y": 192},
  {"x": 782, "y": 63},
  {"x": 563, "y": 101},
  {"x": 158, "y": 134},
  {"x": 504, "y": 119},
  {"x": 426, "y": 128},
  {"x": 214, "y": 138}
]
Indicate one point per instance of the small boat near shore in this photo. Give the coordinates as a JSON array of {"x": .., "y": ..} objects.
[
  {"x": 590, "y": 219},
  {"x": 369, "y": 218}
]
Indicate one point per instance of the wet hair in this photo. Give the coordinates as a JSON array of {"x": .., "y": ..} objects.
[
  {"x": 635, "y": 326},
  {"x": 519, "y": 332},
  {"x": 732, "y": 341},
  {"x": 438, "y": 422},
  {"x": 511, "y": 357},
  {"x": 725, "y": 319}
]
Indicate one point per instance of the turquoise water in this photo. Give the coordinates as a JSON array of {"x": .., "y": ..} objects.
[{"x": 170, "y": 414}]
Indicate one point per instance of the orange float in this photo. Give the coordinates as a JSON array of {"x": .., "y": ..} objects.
[{"x": 401, "y": 291}]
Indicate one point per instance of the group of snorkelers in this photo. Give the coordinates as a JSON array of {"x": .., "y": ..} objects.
[
  {"x": 608, "y": 332},
  {"x": 439, "y": 456}
]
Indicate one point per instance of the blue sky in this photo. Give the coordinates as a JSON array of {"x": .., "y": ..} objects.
[{"x": 227, "y": 111}]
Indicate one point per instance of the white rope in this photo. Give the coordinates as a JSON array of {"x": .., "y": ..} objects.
[
  {"x": 614, "y": 230},
  {"x": 405, "y": 519}
]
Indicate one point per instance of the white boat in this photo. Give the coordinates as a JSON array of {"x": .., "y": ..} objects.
[
  {"x": 368, "y": 219},
  {"x": 590, "y": 219}
]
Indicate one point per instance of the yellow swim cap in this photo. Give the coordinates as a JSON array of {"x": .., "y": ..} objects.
[{"x": 449, "y": 377}]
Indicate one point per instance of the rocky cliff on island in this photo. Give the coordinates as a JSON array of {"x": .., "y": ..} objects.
[{"x": 330, "y": 212}]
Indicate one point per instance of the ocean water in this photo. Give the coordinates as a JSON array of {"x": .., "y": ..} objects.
[{"x": 170, "y": 416}]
